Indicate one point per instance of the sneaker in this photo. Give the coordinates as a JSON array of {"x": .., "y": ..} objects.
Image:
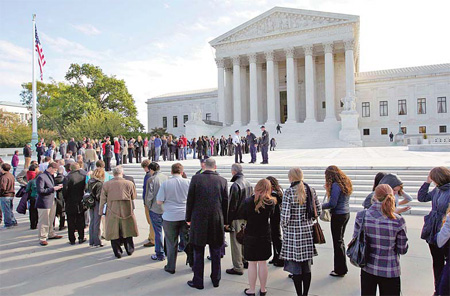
[
  {"x": 155, "y": 257},
  {"x": 43, "y": 243}
]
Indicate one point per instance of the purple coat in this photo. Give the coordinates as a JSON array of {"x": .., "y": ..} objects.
[{"x": 15, "y": 160}]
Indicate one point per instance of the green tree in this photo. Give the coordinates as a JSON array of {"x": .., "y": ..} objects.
[
  {"x": 13, "y": 132},
  {"x": 88, "y": 96}
]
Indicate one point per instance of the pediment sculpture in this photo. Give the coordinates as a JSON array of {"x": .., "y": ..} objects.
[{"x": 280, "y": 22}]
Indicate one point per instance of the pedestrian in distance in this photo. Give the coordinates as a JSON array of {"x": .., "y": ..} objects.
[{"x": 264, "y": 145}]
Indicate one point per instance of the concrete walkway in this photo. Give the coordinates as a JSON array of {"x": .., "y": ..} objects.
[{"x": 62, "y": 269}]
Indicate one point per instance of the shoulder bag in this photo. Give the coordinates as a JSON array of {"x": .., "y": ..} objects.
[
  {"x": 240, "y": 235},
  {"x": 357, "y": 248},
  {"x": 318, "y": 237},
  {"x": 325, "y": 215}
]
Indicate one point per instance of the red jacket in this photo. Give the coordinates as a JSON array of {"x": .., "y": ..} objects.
[
  {"x": 184, "y": 141},
  {"x": 103, "y": 148},
  {"x": 116, "y": 147}
]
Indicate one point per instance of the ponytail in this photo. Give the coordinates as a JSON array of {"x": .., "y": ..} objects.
[
  {"x": 301, "y": 193},
  {"x": 388, "y": 206}
]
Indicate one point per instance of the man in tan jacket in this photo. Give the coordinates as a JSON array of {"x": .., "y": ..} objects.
[{"x": 121, "y": 224}]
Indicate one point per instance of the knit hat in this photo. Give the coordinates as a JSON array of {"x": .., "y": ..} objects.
[{"x": 392, "y": 180}]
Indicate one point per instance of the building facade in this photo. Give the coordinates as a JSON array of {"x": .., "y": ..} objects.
[
  {"x": 22, "y": 111},
  {"x": 300, "y": 68}
]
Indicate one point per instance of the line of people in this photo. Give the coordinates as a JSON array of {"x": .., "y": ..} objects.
[{"x": 264, "y": 222}]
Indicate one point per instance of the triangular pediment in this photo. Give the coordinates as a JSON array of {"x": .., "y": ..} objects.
[{"x": 281, "y": 20}]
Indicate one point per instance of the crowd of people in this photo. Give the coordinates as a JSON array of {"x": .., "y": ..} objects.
[
  {"x": 264, "y": 222},
  {"x": 156, "y": 148}
]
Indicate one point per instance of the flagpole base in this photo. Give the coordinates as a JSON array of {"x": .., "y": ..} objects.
[{"x": 34, "y": 140}]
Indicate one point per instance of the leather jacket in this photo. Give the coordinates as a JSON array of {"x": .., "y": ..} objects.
[{"x": 239, "y": 191}]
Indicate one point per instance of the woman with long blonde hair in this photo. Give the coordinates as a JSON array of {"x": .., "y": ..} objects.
[
  {"x": 385, "y": 233},
  {"x": 257, "y": 241},
  {"x": 297, "y": 219},
  {"x": 339, "y": 188}
]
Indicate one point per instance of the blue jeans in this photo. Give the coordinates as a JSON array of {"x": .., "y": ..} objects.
[
  {"x": 94, "y": 226},
  {"x": 157, "y": 153},
  {"x": 185, "y": 152},
  {"x": 157, "y": 222},
  {"x": 7, "y": 209},
  {"x": 194, "y": 154}
]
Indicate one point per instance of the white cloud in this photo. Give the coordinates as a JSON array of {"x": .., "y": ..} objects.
[
  {"x": 70, "y": 48},
  {"x": 166, "y": 6},
  {"x": 12, "y": 52},
  {"x": 87, "y": 29}
]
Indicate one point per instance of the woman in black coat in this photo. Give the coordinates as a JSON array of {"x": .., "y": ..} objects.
[
  {"x": 257, "y": 241},
  {"x": 200, "y": 148},
  {"x": 275, "y": 228},
  {"x": 107, "y": 156}
]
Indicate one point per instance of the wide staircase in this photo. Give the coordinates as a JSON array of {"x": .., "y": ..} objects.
[{"x": 362, "y": 178}]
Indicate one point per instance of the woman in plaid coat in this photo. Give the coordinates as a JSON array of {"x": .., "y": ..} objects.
[{"x": 297, "y": 214}]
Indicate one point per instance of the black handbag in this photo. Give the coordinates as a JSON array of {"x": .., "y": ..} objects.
[
  {"x": 357, "y": 248},
  {"x": 21, "y": 191}
]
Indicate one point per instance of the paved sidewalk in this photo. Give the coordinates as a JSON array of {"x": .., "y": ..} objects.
[{"x": 61, "y": 269}]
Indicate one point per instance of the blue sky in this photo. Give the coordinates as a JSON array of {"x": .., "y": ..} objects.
[{"x": 161, "y": 46}]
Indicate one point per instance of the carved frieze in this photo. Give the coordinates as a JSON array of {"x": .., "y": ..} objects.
[{"x": 280, "y": 22}]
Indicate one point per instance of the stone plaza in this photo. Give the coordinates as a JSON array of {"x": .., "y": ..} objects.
[{"x": 62, "y": 269}]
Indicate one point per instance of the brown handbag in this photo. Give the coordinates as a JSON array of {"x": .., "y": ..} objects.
[
  {"x": 318, "y": 236},
  {"x": 240, "y": 235}
]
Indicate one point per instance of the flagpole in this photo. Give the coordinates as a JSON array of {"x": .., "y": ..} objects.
[{"x": 34, "y": 135}]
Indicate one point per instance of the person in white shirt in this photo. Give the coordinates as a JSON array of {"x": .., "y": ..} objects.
[
  {"x": 237, "y": 147},
  {"x": 173, "y": 195}
]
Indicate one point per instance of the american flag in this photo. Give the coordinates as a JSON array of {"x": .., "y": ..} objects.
[{"x": 41, "y": 59}]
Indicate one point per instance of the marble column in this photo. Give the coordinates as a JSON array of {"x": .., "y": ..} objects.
[
  {"x": 228, "y": 96},
  {"x": 349, "y": 116},
  {"x": 237, "y": 108},
  {"x": 349, "y": 71},
  {"x": 220, "y": 90},
  {"x": 291, "y": 85},
  {"x": 329, "y": 83},
  {"x": 253, "y": 90},
  {"x": 309, "y": 84},
  {"x": 271, "y": 107}
]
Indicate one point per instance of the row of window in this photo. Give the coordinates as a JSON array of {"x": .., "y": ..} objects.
[
  {"x": 402, "y": 110},
  {"x": 422, "y": 130},
  {"x": 185, "y": 119}
]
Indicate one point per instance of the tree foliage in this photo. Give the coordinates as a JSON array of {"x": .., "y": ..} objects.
[
  {"x": 89, "y": 103},
  {"x": 15, "y": 133}
]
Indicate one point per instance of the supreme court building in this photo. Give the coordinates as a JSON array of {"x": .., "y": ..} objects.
[{"x": 300, "y": 69}]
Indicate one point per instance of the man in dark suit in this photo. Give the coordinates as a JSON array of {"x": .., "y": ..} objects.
[
  {"x": 265, "y": 145},
  {"x": 206, "y": 207},
  {"x": 72, "y": 146},
  {"x": 252, "y": 143},
  {"x": 45, "y": 203},
  {"x": 73, "y": 192}
]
